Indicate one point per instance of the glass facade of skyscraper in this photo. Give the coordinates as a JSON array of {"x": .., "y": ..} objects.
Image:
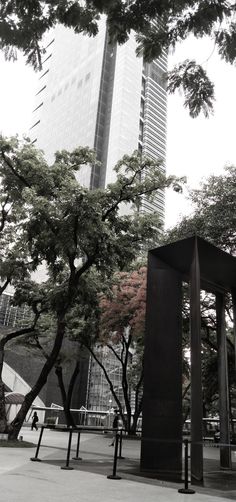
[
  {"x": 95, "y": 94},
  {"x": 102, "y": 96}
]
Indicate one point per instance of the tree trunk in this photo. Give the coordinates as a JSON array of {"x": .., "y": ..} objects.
[
  {"x": 137, "y": 412},
  {"x": 66, "y": 397},
  {"x": 138, "y": 402},
  {"x": 125, "y": 385},
  {"x": 3, "y": 417},
  {"x": 72, "y": 385},
  {"x": 18, "y": 421},
  {"x": 68, "y": 417},
  {"x": 133, "y": 428},
  {"x": 125, "y": 389}
]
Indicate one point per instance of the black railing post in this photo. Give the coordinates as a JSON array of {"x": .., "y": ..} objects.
[
  {"x": 186, "y": 489},
  {"x": 77, "y": 448},
  {"x": 36, "y": 459},
  {"x": 120, "y": 445},
  {"x": 113, "y": 475},
  {"x": 67, "y": 466}
]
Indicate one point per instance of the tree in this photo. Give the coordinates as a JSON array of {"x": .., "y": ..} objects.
[
  {"x": 72, "y": 229},
  {"x": 214, "y": 215},
  {"x": 213, "y": 218},
  {"x": 121, "y": 331},
  {"x": 37, "y": 342},
  {"x": 15, "y": 264},
  {"x": 13, "y": 335},
  {"x": 7, "y": 337},
  {"x": 159, "y": 24}
]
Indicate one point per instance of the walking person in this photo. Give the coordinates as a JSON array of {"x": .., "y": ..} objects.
[
  {"x": 115, "y": 426},
  {"x": 34, "y": 421}
]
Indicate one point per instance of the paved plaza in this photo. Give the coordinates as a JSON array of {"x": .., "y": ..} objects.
[{"x": 23, "y": 480}]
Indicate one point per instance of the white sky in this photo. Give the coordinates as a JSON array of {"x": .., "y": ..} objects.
[
  {"x": 199, "y": 147},
  {"x": 196, "y": 148}
]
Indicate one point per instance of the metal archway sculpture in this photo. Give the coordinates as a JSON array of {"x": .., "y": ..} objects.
[{"x": 204, "y": 266}]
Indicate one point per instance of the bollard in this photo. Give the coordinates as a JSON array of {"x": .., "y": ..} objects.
[
  {"x": 186, "y": 489},
  {"x": 77, "y": 449},
  {"x": 120, "y": 445},
  {"x": 36, "y": 459},
  {"x": 113, "y": 475},
  {"x": 67, "y": 467}
]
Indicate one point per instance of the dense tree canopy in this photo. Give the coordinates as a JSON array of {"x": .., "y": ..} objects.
[
  {"x": 214, "y": 213},
  {"x": 50, "y": 218},
  {"x": 23, "y": 24}
]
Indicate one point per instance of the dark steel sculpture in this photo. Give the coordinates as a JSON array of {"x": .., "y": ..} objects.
[{"x": 204, "y": 266}]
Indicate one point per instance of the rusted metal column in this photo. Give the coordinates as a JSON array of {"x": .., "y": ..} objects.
[
  {"x": 161, "y": 444},
  {"x": 196, "y": 372},
  {"x": 225, "y": 453}
]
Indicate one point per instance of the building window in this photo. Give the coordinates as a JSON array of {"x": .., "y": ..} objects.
[
  {"x": 50, "y": 55},
  {"x": 142, "y": 103},
  {"x": 36, "y": 123},
  {"x": 50, "y": 43},
  {"x": 40, "y": 90},
  {"x": 37, "y": 107},
  {"x": 143, "y": 86},
  {"x": 45, "y": 73},
  {"x": 140, "y": 130}
]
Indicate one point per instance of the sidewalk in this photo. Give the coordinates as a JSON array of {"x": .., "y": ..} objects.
[{"x": 22, "y": 480}]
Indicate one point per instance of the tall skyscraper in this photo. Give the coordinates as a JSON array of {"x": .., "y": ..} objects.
[{"x": 95, "y": 94}]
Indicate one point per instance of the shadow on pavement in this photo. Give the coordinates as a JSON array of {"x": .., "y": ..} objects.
[{"x": 97, "y": 458}]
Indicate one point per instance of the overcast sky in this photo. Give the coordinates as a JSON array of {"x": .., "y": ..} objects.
[
  {"x": 196, "y": 148},
  {"x": 200, "y": 147}
]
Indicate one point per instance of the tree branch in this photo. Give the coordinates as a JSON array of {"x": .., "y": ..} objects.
[
  {"x": 75, "y": 228},
  {"x": 4, "y": 286},
  {"x": 108, "y": 380},
  {"x": 13, "y": 170},
  {"x": 15, "y": 334},
  {"x": 121, "y": 197},
  {"x": 186, "y": 390},
  {"x": 114, "y": 352},
  {"x": 18, "y": 332},
  {"x": 4, "y": 214},
  {"x": 58, "y": 371},
  {"x": 39, "y": 346}
]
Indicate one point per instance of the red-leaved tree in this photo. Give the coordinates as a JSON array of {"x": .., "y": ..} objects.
[{"x": 121, "y": 330}]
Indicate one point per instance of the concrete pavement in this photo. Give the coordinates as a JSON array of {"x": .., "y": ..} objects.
[{"x": 22, "y": 480}]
